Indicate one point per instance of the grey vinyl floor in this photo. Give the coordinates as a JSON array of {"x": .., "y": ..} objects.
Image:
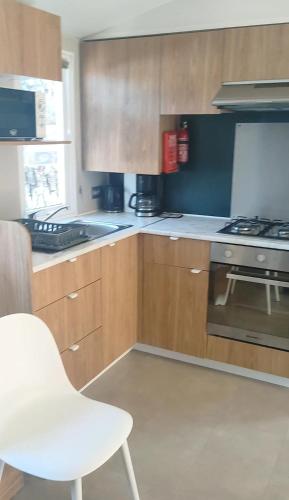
[{"x": 198, "y": 434}]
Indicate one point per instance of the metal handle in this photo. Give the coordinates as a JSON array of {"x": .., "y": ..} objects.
[
  {"x": 112, "y": 244},
  {"x": 72, "y": 296},
  {"x": 74, "y": 347},
  {"x": 74, "y": 259},
  {"x": 196, "y": 271},
  {"x": 174, "y": 238}
]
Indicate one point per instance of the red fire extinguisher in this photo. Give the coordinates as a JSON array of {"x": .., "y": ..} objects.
[
  {"x": 170, "y": 164},
  {"x": 183, "y": 143}
]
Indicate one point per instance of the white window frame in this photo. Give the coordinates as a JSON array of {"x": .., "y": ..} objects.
[{"x": 69, "y": 150}]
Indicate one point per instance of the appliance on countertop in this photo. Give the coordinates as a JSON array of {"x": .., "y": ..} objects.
[
  {"x": 22, "y": 115},
  {"x": 148, "y": 196},
  {"x": 248, "y": 298},
  {"x": 53, "y": 237},
  {"x": 257, "y": 226},
  {"x": 112, "y": 194},
  {"x": 270, "y": 95}
]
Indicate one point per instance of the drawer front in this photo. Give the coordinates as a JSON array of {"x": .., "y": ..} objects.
[
  {"x": 84, "y": 360},
  {"x": 57, "y": 281},
  {"x": 250, "y": 356},
  {"x": 181, "y": 252},
  {"x": 74, "y": 316}
]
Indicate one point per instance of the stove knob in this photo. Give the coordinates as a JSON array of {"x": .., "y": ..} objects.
[
  {"x": 261, "y": 258},
  {"x": 228, "y": 253}
]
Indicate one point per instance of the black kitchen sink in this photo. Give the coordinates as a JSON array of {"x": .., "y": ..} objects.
[{"x": 53, "y": 237}]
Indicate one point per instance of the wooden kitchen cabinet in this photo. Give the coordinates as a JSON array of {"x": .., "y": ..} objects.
[
  {"x": 58, "y": 281},
  {"x": 74, "y": 316},
  {"x": 10, "y": 39},
  {"x": 249, "y": 356},
  {"x": 191, "y": 72},
  {"x": 120, "y": 100},
  {"x": 256, "y": 53},
  {"x": 119, "y": 297},
  {"x": 175, "y": 308},
  {"x": 40, "y": 43},
  {"x": 181, "y": 252},
  {"x": 85, "y": 360},
  {"x": 30, "y": 41},
  {"x": 12, "y": 481}
]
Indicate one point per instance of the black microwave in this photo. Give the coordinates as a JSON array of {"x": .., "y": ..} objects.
[{"x": 22, "y": 114}]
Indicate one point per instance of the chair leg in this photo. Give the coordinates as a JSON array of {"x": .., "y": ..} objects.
[
  {"x": 130, "y": 471},
  {"x": 76, "y": 490}
]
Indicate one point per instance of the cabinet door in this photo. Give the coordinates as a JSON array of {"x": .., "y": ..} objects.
[
  {"x": 119, "y": 297},
  {"x": 41, "y": 46},
  {"x": 256, "y": 53},
  {"x": 10, "y": 53},
  {"x": 191, "y": 71},
  {"x": 175, "y": 309},
  {"x": 120, "y": 88},
  {"x": 11, "y": 482}
]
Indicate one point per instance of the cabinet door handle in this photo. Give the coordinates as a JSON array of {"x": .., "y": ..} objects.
[
  {"x": 112, "y": 244},
  {"x": 174, "y": 238},
  {"x": 74, "y": 347},
  {"x": 72, "y": 296},
  {"x": 196, "y": 271},
  {"x": 74, "y": 259}
]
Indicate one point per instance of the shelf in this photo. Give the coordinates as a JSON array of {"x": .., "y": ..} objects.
[{"x": 31, "y": 143}]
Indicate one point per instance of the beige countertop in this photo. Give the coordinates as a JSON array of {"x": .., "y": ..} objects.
[{"x": 189, "y": 226}]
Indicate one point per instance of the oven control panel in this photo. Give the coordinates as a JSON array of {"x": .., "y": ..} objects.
[{"x": 241, "y": 255}]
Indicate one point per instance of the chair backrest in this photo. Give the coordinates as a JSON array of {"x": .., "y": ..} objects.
[{"x": 29, "y": 360}]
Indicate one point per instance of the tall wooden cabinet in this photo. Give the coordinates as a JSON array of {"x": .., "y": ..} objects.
[
  {"x": 120, "y": 98},
  {"x": 256, "y": 53},
  {"x": 175, "y": 294},
  {"x": 119, "y": 296},
  {"x": 191, "y": 72}
]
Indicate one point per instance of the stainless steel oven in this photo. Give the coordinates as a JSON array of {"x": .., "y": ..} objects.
[{"x": 249, "y": 295}]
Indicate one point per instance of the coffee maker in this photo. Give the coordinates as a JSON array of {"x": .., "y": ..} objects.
[{"x": 148, "y": 196}]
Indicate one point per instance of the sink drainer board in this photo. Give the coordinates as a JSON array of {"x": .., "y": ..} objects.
[{"x": 53, "y": 237}]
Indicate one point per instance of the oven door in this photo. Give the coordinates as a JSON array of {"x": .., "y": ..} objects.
[{"x": 249, "y": 304}]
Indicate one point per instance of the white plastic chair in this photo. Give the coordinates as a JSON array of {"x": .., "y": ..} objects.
[{"x": 47, "y": 428}]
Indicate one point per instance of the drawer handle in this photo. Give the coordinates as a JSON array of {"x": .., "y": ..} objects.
[
  {"x": 174, "y": 238},
  {"x": 112, "y": 244},
  {"x": 196, "y": 271},
  {"x": 72, "y": 296},
  {"x": 74, "y": 347},
  {"x": 74, "y": 259}
]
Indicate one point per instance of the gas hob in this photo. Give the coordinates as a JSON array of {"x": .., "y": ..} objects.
[{"x": 257, "y": 226}]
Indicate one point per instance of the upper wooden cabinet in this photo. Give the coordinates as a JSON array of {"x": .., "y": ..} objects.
[
  {"x": 30, "y": 41},
  {"x": 10, "y": 54},
  {"x": 41, "y": 43},
  {"x": 191, "y": 72},
  {"x": 120, "y": 97},
  {"x": 256, "y": 53}
]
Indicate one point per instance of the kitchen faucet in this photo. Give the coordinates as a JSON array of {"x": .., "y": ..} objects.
[{"x": 32, "y": 215}]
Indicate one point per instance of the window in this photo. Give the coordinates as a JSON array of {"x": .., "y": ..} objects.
[{"x": 46, "y": 178}]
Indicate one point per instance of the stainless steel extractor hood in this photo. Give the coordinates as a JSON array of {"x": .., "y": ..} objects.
[{"x": 267, "y": 95}]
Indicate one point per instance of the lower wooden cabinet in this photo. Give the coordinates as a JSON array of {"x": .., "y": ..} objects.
[
  {"x": 11, "y": 483},
  {"x": 84, "y": 360},
  {"x": 249, "y": 356},
  {"x": 119, "y": 263},
  {"x": 74, "y": 316},
  {"x": 175, "y": 308}
]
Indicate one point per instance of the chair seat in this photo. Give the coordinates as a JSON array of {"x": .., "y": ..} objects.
[{"x": 63, "y": 437}]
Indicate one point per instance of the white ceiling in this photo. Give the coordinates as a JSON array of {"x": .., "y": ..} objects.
[{"x": 114, "y": 18}]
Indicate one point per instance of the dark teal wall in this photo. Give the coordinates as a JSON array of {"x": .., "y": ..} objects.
[{"x": 204, "y": 185}]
